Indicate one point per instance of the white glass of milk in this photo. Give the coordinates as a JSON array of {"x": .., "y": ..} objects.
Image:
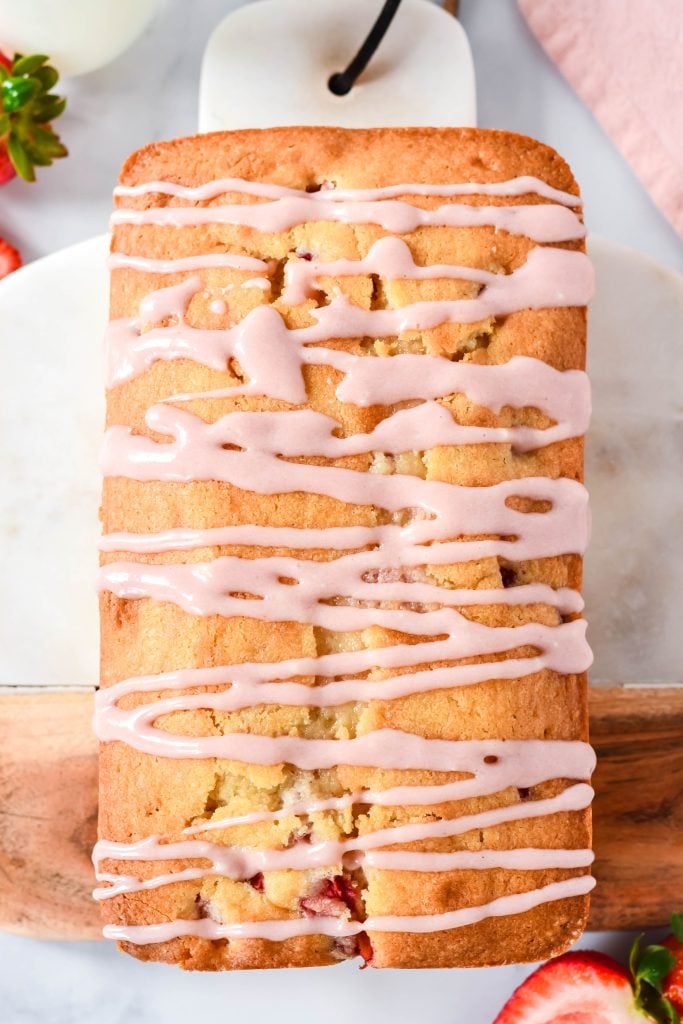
[{"x": 78, "y": 35}]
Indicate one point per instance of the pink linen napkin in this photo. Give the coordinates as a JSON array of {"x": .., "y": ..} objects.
[{"x": 625, "y": 60}]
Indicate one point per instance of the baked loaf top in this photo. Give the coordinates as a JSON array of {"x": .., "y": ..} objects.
[{"x": 343, "y": 704}]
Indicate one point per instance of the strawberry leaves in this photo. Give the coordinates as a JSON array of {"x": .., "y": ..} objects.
[
  {"x": 649, "y": 969},
  {"x": 28, "y": 65},
  {"x": 27, "y": 109}
]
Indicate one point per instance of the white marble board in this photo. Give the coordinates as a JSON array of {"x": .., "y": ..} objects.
[{"x": 53, "y": 313}]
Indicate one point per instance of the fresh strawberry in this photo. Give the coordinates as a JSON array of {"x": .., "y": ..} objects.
[
  {"x": 672, "y": 988},
  {"x": 577, "y": 988},
  {"x": 6, "y": 166},
  {"x": 27, "y": 110},
  {"x": 9, "y": 258},
  {"x": 591, "y": 988},
  {"x": 656, "y": 968},
  {"x": 7, "y": 171}
]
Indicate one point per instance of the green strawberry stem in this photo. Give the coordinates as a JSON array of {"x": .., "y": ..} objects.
[{"x": 27, "y": 109}]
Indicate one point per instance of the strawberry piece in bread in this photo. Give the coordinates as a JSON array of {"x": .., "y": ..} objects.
[{"x": 333, "y": 898}]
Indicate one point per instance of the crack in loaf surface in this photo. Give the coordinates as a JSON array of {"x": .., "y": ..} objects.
[{"x": 390, "y": 614}]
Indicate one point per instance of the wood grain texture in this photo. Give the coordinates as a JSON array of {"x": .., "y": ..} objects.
[
  {"x": 48, "y": 808},
  {"x": 638, "y": 809},
  {"x": 48, "y": 815}
]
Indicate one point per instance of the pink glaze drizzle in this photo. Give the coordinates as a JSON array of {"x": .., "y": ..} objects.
[
  {"x": 305, "y": 431},
  {"x": 272, "y": 357},
  {"x": 169, "y": 302},
  {"x": 447, "y": 510},
  {"x": 382, "y": 748},
  {"x": 520, "y": 763},
  {"x": 281, "y": 930},
  {"x": 226, "y": 861},
  {"x": 208, "y": 588},
  {"x": 543, "y": 222},
  {"x": 523, "y": 381},
  {"x": 207, "y": 261},
  {"x": 388, "y": 257},
  {"x": 267, "y": 350},
  {"x": 521, "y": 186},
  {"x": 340, "y": 538},
  {"x": 240, "y": 863},
  {"x": 256, "y": 282},
  {"x": 392, "y": 259},
  {"x": 562, "y": 649}
]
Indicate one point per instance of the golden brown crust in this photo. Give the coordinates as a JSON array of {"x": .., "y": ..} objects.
[
  {"x": 361, "y": 158},
  {"x": 141, "y": 794}
]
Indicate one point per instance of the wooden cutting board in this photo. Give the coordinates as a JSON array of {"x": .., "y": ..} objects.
[{"x": 48, "y": 810}]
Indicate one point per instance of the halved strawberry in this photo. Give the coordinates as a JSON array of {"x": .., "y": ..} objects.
[
  {"x": 577, "y": 988},
  {"x": 9, "y": 258}
]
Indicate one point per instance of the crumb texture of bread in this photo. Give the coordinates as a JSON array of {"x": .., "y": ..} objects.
[{"x": 162, "y": 791}]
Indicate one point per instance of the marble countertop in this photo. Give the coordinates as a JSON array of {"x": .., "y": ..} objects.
[
  {"x": 91, "y": 983},
  {"x": 150, "y": 92}
]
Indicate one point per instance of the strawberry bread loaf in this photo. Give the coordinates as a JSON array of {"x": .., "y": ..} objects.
[{"x": 343, "y": 698}]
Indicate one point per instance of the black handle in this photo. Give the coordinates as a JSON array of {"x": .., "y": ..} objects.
[{"x": 341, "y": 82}]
